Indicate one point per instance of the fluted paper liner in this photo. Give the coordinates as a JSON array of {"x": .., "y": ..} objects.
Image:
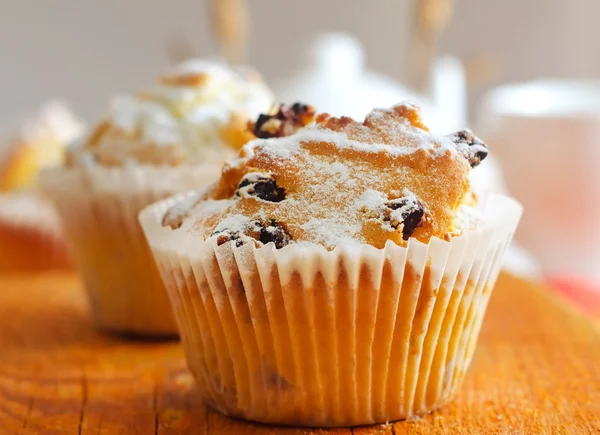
[
  {"x": 99, "y": 209},
  {"x": 306, "y": 336},
  {"x": 30, "y": 234}
]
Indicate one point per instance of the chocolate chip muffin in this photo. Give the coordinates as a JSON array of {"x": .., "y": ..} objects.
[{"x": 338, "y": 272}]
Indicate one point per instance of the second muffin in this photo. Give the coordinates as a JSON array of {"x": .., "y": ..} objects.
[{"x": 168, "y": 139}]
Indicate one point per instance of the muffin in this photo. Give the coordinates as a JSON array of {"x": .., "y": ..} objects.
[
  {"x": 37, "y": 143},
  {"x": 31, "y": 238},
  {"x": 30, "y": 234},
  {"x": 336, "y": 276},
  {"x": 170, "y": 138}
]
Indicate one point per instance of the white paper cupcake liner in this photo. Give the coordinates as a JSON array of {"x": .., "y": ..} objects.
[
  {"x": 306, "y": 336},
  {"x": 30, "y": 234},
  {"x": 99, "y": 208}
]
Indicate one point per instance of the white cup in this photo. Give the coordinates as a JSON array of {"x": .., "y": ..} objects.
[{"x": 546, "y": 136}]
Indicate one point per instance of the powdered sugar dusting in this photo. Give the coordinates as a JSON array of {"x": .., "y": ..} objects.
[
  {"x": 409, "y": 201},
  {"x": 189, "y": 109},
  {"x": 329, "y": 231},
  {"x": 413, "y": 140},
  {"x": 236, "y": 222},
  {"x": 337, "y": 182},
  {"x": 370, "y": 199}
]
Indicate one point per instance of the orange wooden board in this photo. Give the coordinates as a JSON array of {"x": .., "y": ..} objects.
[{"x": 536, "y": 370}]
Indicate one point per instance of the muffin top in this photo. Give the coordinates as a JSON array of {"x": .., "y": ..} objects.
[
  {"x": 196, "y": 112},
  {"x": 338, "y": 181}
]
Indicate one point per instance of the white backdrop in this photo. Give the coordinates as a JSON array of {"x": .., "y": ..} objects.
[{"x": 85, "y": 50}]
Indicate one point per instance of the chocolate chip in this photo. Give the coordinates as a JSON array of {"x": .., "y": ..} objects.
[
  {"x": 283, "y": 122},
  {"x": 408, "y": 212},
  {"x": 264, "y": 233},
  {"x": 261, "y": 186},
  {"x": 472, "y": 148}
]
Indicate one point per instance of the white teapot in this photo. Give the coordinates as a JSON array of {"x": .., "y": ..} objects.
[{"x": 336, "y": 80}]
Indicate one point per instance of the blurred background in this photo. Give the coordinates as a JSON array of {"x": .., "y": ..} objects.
[
  {"x": 84, "y": 51},
  {"x": 454, "y": 57}
]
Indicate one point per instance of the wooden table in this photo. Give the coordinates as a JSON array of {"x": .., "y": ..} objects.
[{"x": 537, "y": 370}]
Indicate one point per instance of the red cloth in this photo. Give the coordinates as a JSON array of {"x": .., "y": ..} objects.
[{"x": 582, "y": 292}]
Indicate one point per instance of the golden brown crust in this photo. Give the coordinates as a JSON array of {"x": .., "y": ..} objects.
[
  {"x": 236, "y": 133},
  {"x": 384, "y": 179},
  {"x": 190, "y": 79},
  {"x": 101, "y": 129},
  {"x": 111, "y": 146},
  {"x": 18, "y": 167}
]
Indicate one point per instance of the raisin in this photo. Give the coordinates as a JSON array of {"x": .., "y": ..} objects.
[
  {"x": 257, "y": 230},
  {"x": 470, "y": 146},
  {"x": 266, "y": 126},
  {"x": 228, "y": 236},
  {"x": 283, "y": 122},
  {"x": 261, "y": 186},
  {"x": 270, "y": 231},
  {"x": 275, "y": 233},
  {"x": 412, "y": 215},
  {"x": 300, "y": 109}
]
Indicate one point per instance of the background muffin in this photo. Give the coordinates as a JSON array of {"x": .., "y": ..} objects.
[
  {"x": 30, "y": 234},
  {"x": 31, "y": 238},
  {"x": 37, "y": 143},
  {"x": 337, "y": 276},
  {"x": 197, "y": 113},
  {"x": 167, "y": 139}
]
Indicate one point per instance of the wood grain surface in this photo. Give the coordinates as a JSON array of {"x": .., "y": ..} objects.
[{"x": 536, "y": 371}]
